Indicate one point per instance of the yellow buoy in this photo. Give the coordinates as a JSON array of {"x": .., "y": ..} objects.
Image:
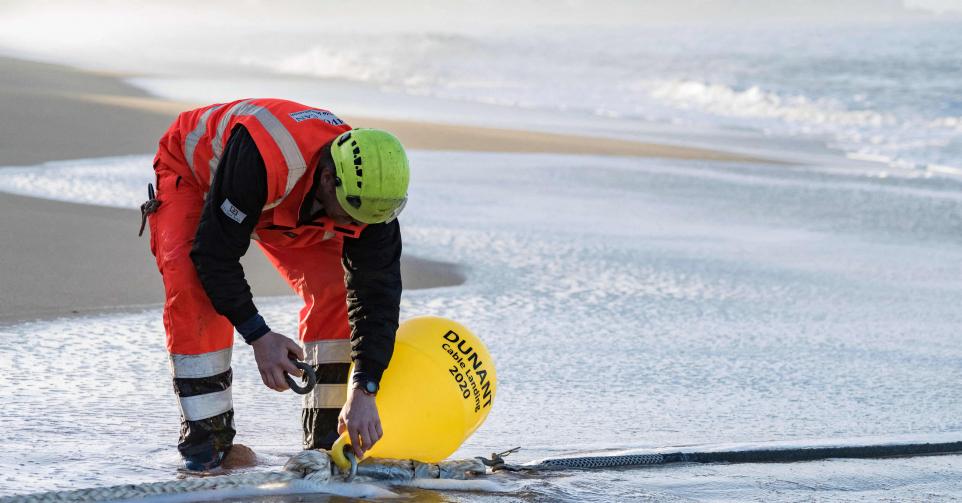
[{"x": 436, "y": 392}]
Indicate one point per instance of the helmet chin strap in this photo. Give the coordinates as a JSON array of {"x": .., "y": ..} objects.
[{"x": 317, "y": 205}]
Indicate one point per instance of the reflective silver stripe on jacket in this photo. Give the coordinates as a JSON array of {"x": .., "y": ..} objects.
[
  {"x": 296, "y": 166},
  {"x": 326, "y": 396},
  {"x": 217, "y": 142},
  {"x": 328, "y": 351},
  {"x": 190, "y": 142},
  {"x": 195, "y": 408},
  {"x": 202, "y": 365}
]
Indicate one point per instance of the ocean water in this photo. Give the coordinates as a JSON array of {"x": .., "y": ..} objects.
[
  {"x": 648, "y": 304},
  {"x": 885, "y": 92},
  {"x": 630, "y": 304}
]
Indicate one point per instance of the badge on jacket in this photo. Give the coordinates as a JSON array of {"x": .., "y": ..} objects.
[
  {"x": 323, "y": 115},
  {"x": 232, "y": 211}
]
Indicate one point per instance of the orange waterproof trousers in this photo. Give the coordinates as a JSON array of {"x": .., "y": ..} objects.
[{"x": 199, "y": 340}]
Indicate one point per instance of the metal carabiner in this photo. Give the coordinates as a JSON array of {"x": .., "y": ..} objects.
[
  {"x": 308, "y": 373},
  {"x": 349, "y": 454}
]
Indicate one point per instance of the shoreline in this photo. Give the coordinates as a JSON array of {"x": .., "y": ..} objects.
[
  {"x": 72, "y": 259},
  {"x": 426, "y": 135}
]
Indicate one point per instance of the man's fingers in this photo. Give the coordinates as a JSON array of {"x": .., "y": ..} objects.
[
  {"x": 355, "y": 440},
  {"x": 296, "y": 349},
  {"x": 266, "y": 379},
  {"x": 280, "y": 384},
  {"x": 291, "y": 369},
  {"x": 377, "y": 429},
  {"x": 341, "y": 427},
  {"x": 293, "y": 350},
  {"x": 371, "y": 437}
]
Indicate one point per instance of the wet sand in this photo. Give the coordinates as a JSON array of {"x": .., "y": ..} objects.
[{"x": 60, "y": 258}]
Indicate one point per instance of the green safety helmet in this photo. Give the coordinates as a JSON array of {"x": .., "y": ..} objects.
[{"x": 371, "y": 175}]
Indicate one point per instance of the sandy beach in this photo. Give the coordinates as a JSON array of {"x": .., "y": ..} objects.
[
  {"x": 62, "y": 258},
  {"x": 676, "y": 230}
]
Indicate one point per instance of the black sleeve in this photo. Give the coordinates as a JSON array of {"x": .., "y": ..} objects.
[
  {"x": 233, "y": 207},
  {"x": 372, "y": 265}
]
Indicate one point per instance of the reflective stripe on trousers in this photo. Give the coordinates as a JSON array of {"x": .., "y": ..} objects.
[
  {"x": 202, "y": 365},
  {"x": 195, "y": 408},
  {"x": 202, "y": 384},
  {"x": 328, "y": 351},
  {"x": 330, "y": 359}
]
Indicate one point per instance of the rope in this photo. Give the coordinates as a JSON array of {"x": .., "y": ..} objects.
[
  {"x": 307, "y": 465},
  {"x": 786, "y": 455},
  {"x": 133, "y": 491},
  {"x": 589, "y": 462},
  {"x": 312, "y": 466},
  {"x": 316, "y": 466}
]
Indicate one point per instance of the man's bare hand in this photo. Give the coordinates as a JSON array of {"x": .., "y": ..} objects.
[
  {"x": 272, "y": 352},
  {"x": 360, "y": 419}
]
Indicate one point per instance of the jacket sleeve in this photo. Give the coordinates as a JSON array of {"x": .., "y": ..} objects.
[
  {"x": 372, "y": 265},
  {"x": 233, "y": 207}
]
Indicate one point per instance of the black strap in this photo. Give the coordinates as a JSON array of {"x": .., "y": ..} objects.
[{"x": 148, "y": 207}]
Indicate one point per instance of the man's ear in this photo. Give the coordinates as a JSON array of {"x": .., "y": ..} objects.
[{"x": 327, "y": 177}]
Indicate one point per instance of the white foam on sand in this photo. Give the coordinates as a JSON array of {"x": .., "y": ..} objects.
[
  {"x": 119, "y": 182},
  {"x": 627, "y": 303},
  {"x": 882, "y": 92}
]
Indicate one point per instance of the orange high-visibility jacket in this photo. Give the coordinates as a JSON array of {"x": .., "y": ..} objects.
[{"x": 289, "y": 137}]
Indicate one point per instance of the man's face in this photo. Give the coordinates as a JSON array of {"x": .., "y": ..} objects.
[{"x": 329, "y": 200}]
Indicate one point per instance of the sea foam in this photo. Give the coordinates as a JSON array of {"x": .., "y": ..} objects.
[
  {"x": 628, "y": 304},
  {"x": 885, "y": 92}
]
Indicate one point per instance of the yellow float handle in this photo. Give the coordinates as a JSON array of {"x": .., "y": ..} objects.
[{"x": 337, "y": 452}]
